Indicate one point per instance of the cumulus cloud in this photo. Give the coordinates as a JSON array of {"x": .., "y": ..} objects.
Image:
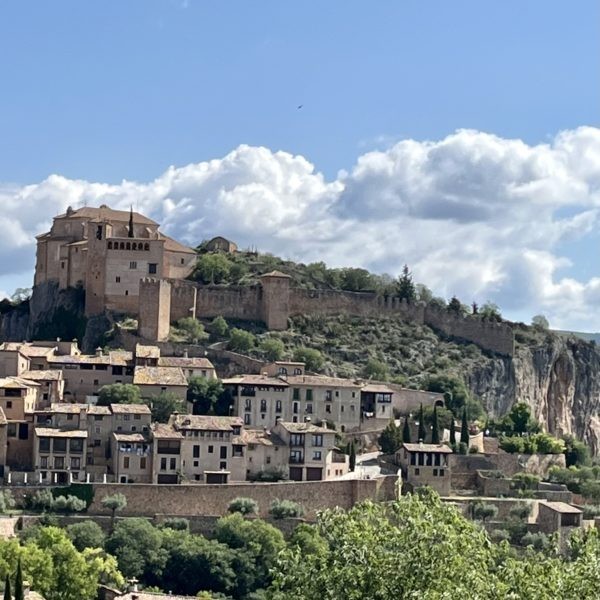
[{"x": 473, "y": 214}]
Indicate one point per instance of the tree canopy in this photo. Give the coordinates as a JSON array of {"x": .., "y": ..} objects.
[{"x": 119, "y": 393}]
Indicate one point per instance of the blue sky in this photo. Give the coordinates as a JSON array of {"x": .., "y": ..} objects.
[{"x": 106, "y": 91}]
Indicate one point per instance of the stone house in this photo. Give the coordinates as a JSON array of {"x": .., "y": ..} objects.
[
  {"x": 154, "y": 381},
  {"x": 59, "y": 455},
  {"x": 166, "y": 454},
  {"x": 310, "y": 449},
  {"x": 108, "y": 252},
  {"x": 132, "y": 458},
  {"x": 426, "y": 464},
  {"x": 558, "y": 517},
  {"x": 266, "y": 453},
  {"x": 221, "y": 244},
  {"x": 376, "y": 400}
]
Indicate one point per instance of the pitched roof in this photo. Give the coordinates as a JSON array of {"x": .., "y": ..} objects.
[
  {"x": 98, "y": 410},
  {"x": 303, "y": 427},
  {"x": 130, "y": 437},
  {"x": 159, "y": 376},
  {"x": 562, "y": 507},
  {"x": 255, "y": 380},
  {"x": 277, "y": 274},
  {"x": 205, "y": 422},
  {"x": 322, "y": 381},
  {"x": 164, "y": 431},
  {"x": 142, "y": 351},
  {"x": 61, "y": 433},
  {"x": 441, "y": 448},
  {"x": 181, "y": 361},
  {"x": 104, "y": 212},
  {"x": 17, "y": 383},
  {"x": 174, "y": 246},
  {"x": 50, "y": 374},
  {"x": 67, "y": 408},
  {"x": 376, "y": 388},
  {"x": 128, "y": 409},
  {"x": 262, "y": 437}
]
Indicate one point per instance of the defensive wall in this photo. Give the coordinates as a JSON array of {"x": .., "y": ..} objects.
[
  {"x": 274, "y": 300},
  {"x": 213, "y": 500}
]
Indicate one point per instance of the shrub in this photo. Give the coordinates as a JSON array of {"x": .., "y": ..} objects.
[
  {"x": 483, "y": 511},
  {"x": 245, "y": 506},
  {"x": 7, "y": 502},
  {"x": 192, "y": 329},
  {"x": 513, "y": 445},
  {"x": 499, "y": 535},
  {"x": 176, "y": 523},
  {"x": 376, "y": 369},
  {"x": 86, "y": 534},
  {"x": 68, "y": 504},
  {"x": 218, "y": 327},
  {"x": 590, "y": 511},
  {"x": 42, "y": 500},
  {"x": 312, "y": 358},
  {"x": 525, "y": 481},
  {"x": 241, "y": 340},
  {"x": 462, "y": 448},
  {"x": 539, "y": 541},
  {"x": 272, "y": 348},
  {"x": 285, "y": 509},
  {"x": 521, "y": 511},
  {"x": 473, "y": 450}
]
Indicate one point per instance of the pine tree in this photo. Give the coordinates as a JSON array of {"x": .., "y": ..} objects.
[
  {"x": 422, "y": 430},
  {"x": 406, "y": 287},
  {"x": 19, "y": 594},
  {"x": 452, "y": 433},
  {"x": 352, "y": 456},
  {"x": 406, "y": 431},
  {"x": 389, "y": 440},
  {"x": 464, "y": 429},
  {"x": 7, "y": 595},
  {"x": 435, "y": 431}
]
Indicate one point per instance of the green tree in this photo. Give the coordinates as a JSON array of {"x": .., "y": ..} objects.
[
  {"x": 352, "y": 459},
  {"x": 285, "y": 509},
  {"x": 244, "y": 506},
  {"x": 212, "y": 268},
  {"x": 422, "y": 434},
  {"x": 218, "y": 327},
  {"x": 7, "y": 594},
  {"x": 406, "y": 431},
  {"x": 356, "y": 280},
  {"x": 455, "y": 306},
  {"x": 204, "y": 394},
  {"x": 137, "y": 546},
  {"x": 423, "y": 293},
  {"x": 576, "y": 452},
  {"x": 406, "y": 287},
  {"x": 540, "y": 322},
  {"x": 86, "y": 534},
  {"x": 490, "y": 311},
  {"x": 119, "y": 393},
  {"x": 192, "y": 329},
  {"x": 272, "y": 348},
  {"x": 435, "y": 431},
  {"x": 19, "y": 591},
  {"x": 376, "y": 369},
  {"x": 241, "y": 340},
  {"x": 164, "y": 405},
  {"x": 483, "y": 511},
  {"x": 464, "y": 428},
  {"x": 519, "y": 420},
  {"x": 311, "y": 357},
  {"x": 390, "y": 440},
  {"x": 115, "y": 503}
]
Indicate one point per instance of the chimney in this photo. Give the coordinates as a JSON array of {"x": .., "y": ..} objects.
[
  {"x": 185, "y": 353},
  {"x": 98, "y": 351}
]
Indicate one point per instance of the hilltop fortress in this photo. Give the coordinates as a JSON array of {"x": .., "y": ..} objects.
[{"x": 126, "y": 265}]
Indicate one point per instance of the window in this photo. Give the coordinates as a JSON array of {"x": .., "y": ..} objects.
[
  {"x": 295, "y": 408},
  {"x": 296, "y": 394},
  {"x": 222, "y": 465},
  {"x": 441, "y": 472},
  {"x": 163, "y": 464},
  {"x": 247, "y": 419},
  {"x": 75, "y": 463},
  {"x": 435, "y": 472},
  {"x": 59, "y": 445},
  {"x": 352, "y": 408},
  {"x": 328, "y": 395},
  {"x": 133, "y": 264},
  {"x": 211, "y": 449},
  {"x": 97, "y": 443},
  {"x": 263, "y": 406},
  {"x": 317, "y": 455},
  {"x": 127, "y": 292},
  {"x": 417, "y": 471},
  {"x": 59, "y": 462},
  {"x": 110, "y": 245},
  {"x": 118, "y": 279},
  {"x": 9, "y": 404},
  {"x": 126, "y": 462},
  {"x": 297, "y": 439},
  {"x": 342, "y": 408},
  {"x": 44, "y": 462},
  {"x": 248, "y": 404},
  {"x": 152, "y": 268},
  {"x": 278, "y": 406},
  {"x": 223, "y": 452},
  {"x": 96, "y": 382},
  {"x": 328, "y": 408},
  {"x": 317, "y": 440},
  {"x": 309, "y": 395},
  {"x": 182, "y": 261},
  {"x": 309, "y": 409},
  {"x": 76, "y": 445},
  {"x": 69, "y": 417},
  {"x": 126, "y": 417},
  {"x": 196, "y": 451},
  {"x": 173, "y": 464},
  {"x": 137, "y": 417}
]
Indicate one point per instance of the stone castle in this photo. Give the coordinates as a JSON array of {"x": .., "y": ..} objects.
[{"x": 126, "y": 265}]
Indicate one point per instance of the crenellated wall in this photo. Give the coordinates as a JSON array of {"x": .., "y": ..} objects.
[{"x": 273, "y": 301}]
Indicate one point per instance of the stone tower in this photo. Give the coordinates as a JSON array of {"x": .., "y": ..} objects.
[
  {"x": 154, "y": 319},
  {"x": 275, "y": 306}
]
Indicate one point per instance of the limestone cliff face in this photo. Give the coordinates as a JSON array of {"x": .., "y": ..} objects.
[{"x": 559, "y": 379}]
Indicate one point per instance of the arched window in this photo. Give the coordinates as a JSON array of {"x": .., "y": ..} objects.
[
  {"x": 122, "y": 245},
  {"x": 146, "y": 246},
  {"x": 263, "y": 406},
  {"x": 110, "y": 245},
  {"x": 127, "y": 246},
  {"x": 134, "y": 246}
]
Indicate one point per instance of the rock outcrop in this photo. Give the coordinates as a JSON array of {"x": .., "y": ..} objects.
[{"x": 559, "y": 379}]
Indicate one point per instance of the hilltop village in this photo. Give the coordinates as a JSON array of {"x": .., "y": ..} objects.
[{"x": 127, "y": 420}]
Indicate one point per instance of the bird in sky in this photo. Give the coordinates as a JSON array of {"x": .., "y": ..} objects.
[{"x": 300, "y": 106}]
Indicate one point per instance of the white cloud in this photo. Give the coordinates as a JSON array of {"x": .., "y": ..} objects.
[{"x": 473, "y": 214}]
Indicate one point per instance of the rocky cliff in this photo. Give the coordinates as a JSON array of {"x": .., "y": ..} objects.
[{"x": 559, "y": 378}]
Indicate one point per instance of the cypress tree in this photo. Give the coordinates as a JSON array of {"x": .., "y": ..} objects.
[
  {"x": 352, "y": 456},
  {"x": 7, "y": 595},
  {"x": 464, "y": 429},
  {"x": 452, "y": 432},
  {"x": 19, "y": 594},
  {"x": 422, "y": 431},
  {"x": 435, "y": 431},
  {"x": 406, "y": 431}
]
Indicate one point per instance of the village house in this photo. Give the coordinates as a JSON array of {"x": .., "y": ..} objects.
[
  {"x": 108, "y": 252},
  {"x": 221, "y": 244},
  {"x": 426, "y": 464},
  {"x": 132, "y": 457},
  {"x": 154, "y": 381},
  {"x": 59, "y": 455}
]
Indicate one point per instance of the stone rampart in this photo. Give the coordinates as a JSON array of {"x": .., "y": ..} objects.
[
  {"x": 213, "y": 500},
  {"x": 273, "y": 301}
]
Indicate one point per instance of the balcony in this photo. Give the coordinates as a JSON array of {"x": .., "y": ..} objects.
[{"x": 296, "y": 460}]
